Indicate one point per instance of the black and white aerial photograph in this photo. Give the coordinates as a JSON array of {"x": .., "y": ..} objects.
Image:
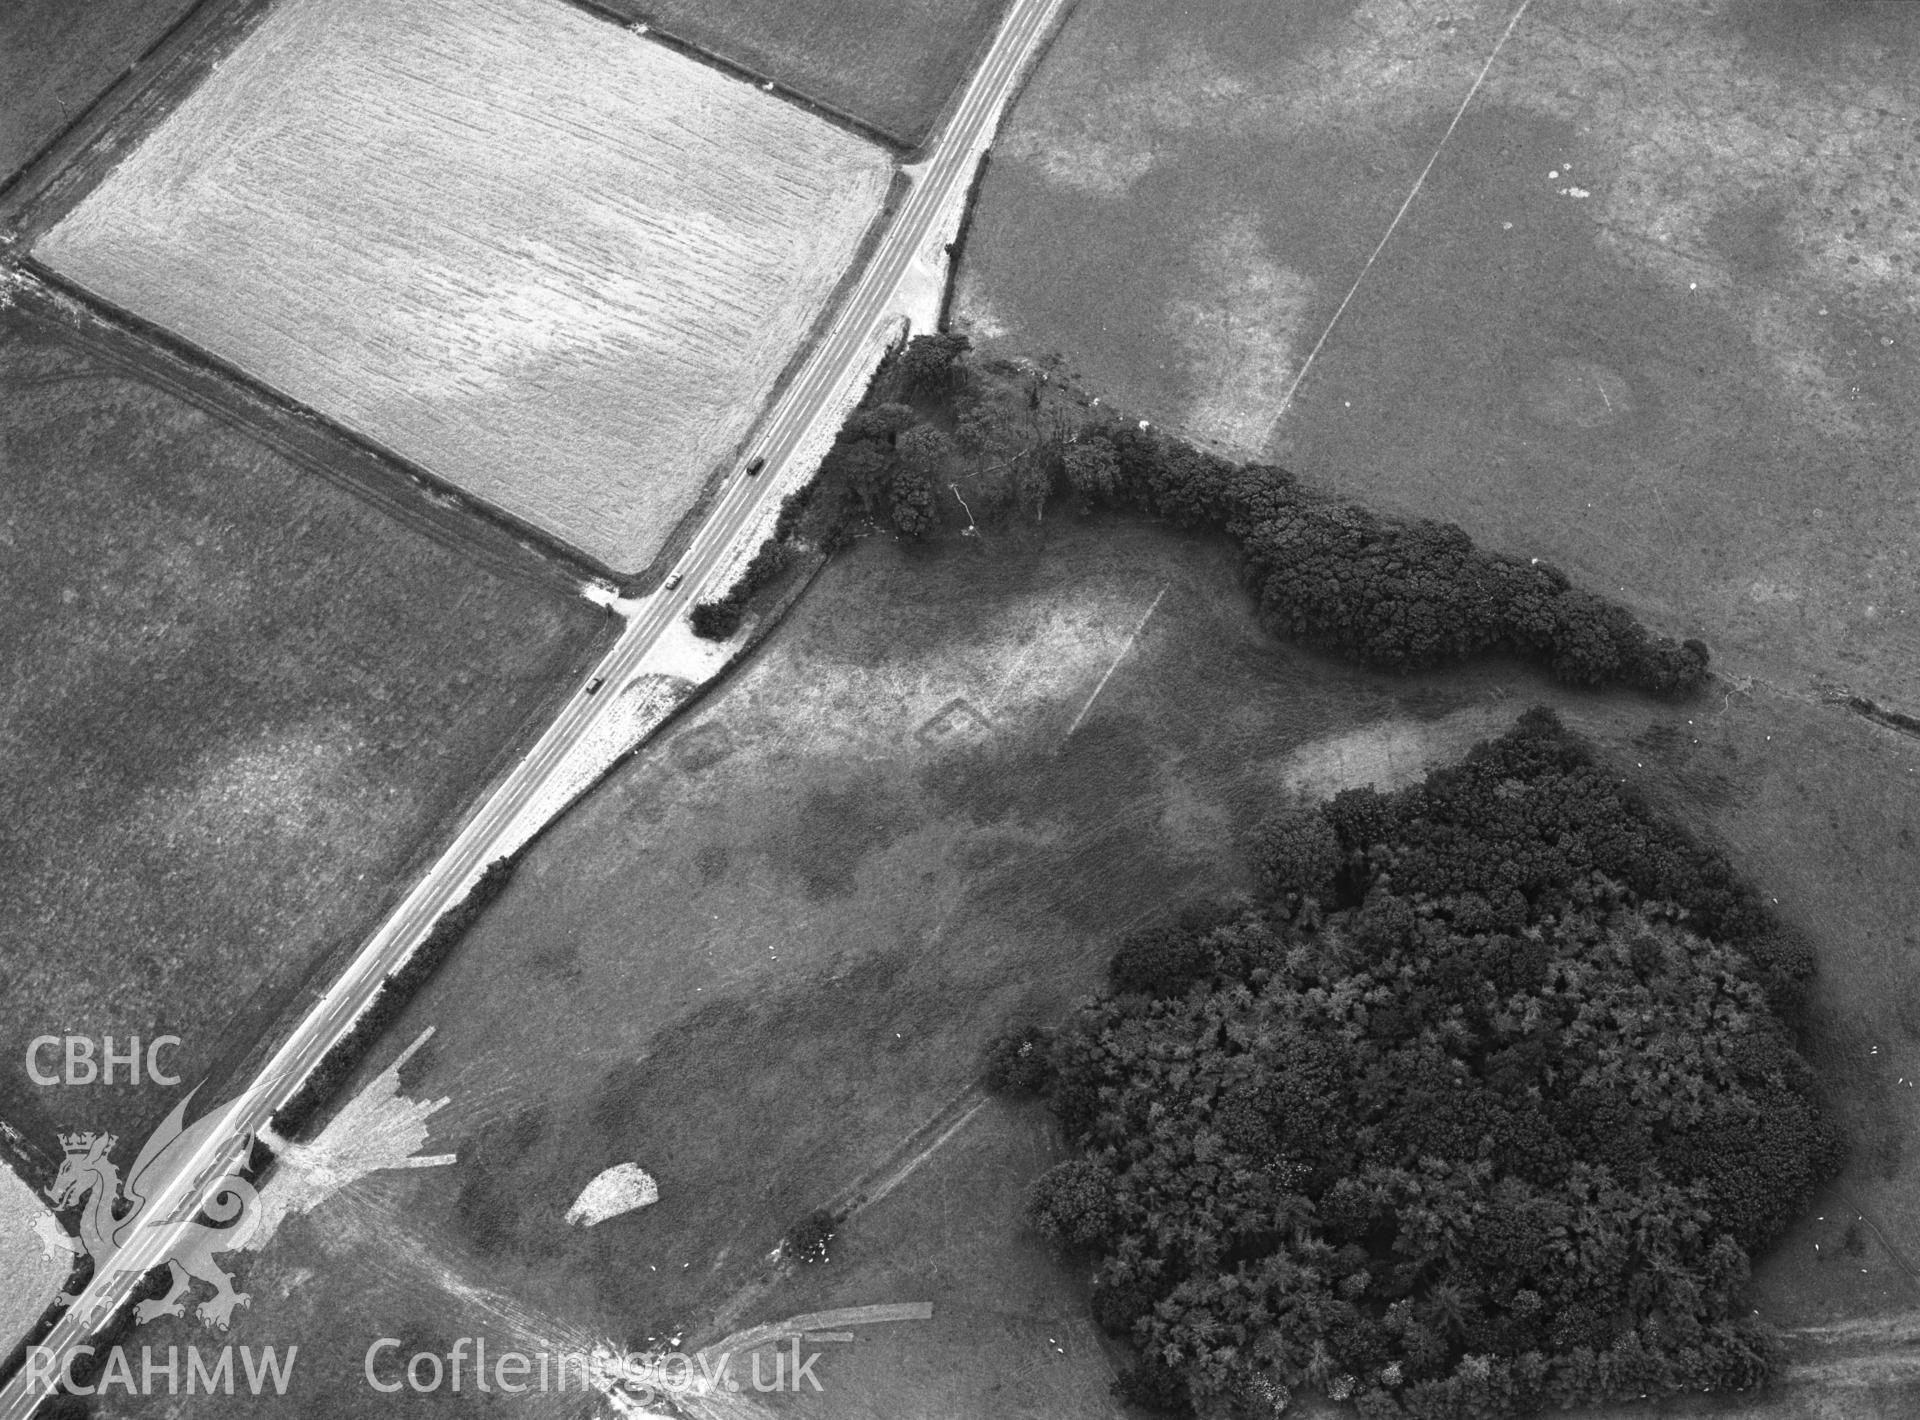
[{"x": 960, "y": 709}]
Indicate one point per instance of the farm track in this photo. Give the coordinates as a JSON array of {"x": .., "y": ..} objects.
[
  {"x": 871, "y": 1187},
  {"x": 940, "y": 183}
]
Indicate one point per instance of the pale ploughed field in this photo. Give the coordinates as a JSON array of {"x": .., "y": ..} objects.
[{"x": 545, "y": 259}]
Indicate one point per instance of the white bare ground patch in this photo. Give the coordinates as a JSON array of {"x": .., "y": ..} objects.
[
  {"x": 643, "y": 705},
  {"x": 973, "y": 312},
  {"x": 1389, "y": 755},
  {"x": 377, "y": 1129},
  {"x": 549, "y": 260},
  {"x": 1241, "y": 332},
  {"x": 923, "y": 290},
  {"x": 34, "y": 1271},
  {"x": 617, "y": 1190}
]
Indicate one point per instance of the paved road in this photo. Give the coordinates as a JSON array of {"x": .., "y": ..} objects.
[{"x": 938, "y": 182}]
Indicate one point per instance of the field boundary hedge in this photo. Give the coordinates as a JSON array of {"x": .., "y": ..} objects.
[
  {"x": 299, "y": 1113},
  {"x": 1401, "y": 594}
]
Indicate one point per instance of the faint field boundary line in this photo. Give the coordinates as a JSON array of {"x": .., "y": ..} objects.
[
  {"x": 900, "y": 1175},
  {"x": 1513, "y": 23},
  {"x": 901, "y": 1160},
  {"x": 909, "y": 1153},
  {"x": 1144, "y": 619}
]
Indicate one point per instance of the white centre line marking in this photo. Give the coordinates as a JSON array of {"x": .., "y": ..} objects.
[
  {"x": 1418, "y": 183},
  {"x": 1116, "y": 664}
]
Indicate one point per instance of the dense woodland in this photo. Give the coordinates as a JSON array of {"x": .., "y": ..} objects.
[
  {"x": 944, "y": 430},
  {"x": 1484, "y": 1109}
]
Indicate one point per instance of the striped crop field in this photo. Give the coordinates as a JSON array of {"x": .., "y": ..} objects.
[{"x": 549, "y": 261}]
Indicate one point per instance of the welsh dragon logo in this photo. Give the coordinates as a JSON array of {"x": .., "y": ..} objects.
[
  {"x": 112, "y": 1213},
  {"x": 378, "y": 1129}
]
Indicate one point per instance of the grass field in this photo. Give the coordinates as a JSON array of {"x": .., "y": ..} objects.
[
  {"x": 553, "y": 263},
  {"x": 1010, "y": 1334},
  {"x": 1652, "y": 315},
  {"x": 891, "y": 64},
  {"x": 764, "y": 954},
  {"x": 57, "y": 57},
  {"x": 241, "y": 705}
]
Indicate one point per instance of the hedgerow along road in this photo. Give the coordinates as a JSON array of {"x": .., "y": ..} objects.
[{"x": 938, "y": 184}]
